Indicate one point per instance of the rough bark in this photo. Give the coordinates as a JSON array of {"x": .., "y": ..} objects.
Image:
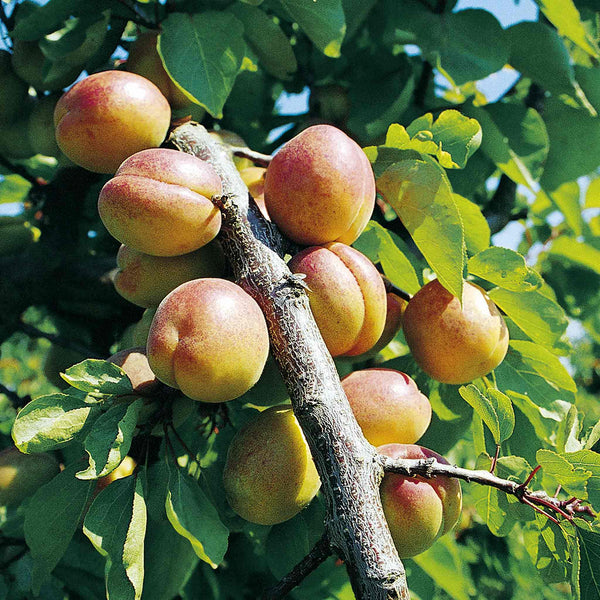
[{"x": 348, "y": 465}]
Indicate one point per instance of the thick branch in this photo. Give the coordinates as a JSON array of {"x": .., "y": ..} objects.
[
  {"x": 347, "y": 464},
  {"x": 318, "y": 554},
  {"x": 431, "y": 468}
]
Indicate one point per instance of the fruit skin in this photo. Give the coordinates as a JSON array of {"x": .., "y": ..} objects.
[
  {"x": 109, "y": 116},
  {"x": 418, "y": 510},
  {"x": 387, "y": 405},
  {"x": 145, "y": 61},
  {"x": 347, "y": 296},
  {"x": 270, "y": 475},
  {"x": 209, "y": 339},
  {"x": 453, "y": 344},
  {"x": 13, "y": 90},
  {"x": 158, "y": 202},
  {"x": 320, "y": 188},
  {"x": 254, "y": 178},
  {"x": 22, "y": 474},
  {"x": 135, "y": 364},
  {"x": 393, "y": 320},
  {"x": 145, "y": 279}
]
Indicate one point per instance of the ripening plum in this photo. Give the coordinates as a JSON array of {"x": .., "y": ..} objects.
[
  {"x": 22, "y": 474},
  {"x": 145, "y": 279},
  {"x": 159, "y": 203},
  {"x": 270, "y": 475},
  {"x": 418, "y": 510},
  {"x": 453, "y": 343},
  {"x": 209, "y": 339},
  {"x": 109, "y": 116},
  {"x": 320, "y": 188},
  {"x": 387, "y": 405},
  {"x": 347, "y": 296}
]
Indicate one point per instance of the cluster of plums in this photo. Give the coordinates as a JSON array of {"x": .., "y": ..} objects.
[{"x": 206, "y": 336}]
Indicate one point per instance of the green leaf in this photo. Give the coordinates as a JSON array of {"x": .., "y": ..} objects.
[
  {"x": 589, "y": 570},
  {"x": 51, "y": 519},
  {"x": 477, "y": 229},
  {"x": 421, "y": 196},
  {"x": 566, "y": 199},
  {"x": 109, "y": 441},
  {"x": 563, "y": 14},
  {"x": 281, "y": 555},
  {"x": 545, "y": 364},
  {"x": 572, "y": 479},
  {"x": 379, "y": 244},
  {"x": 592, "y": 195},
  {"x": 541, "y": 318},
  {"x": 505, "y": 268},
  {"x": 13, "y": 188},
  {"x": 98, "y": 377},
  {"x": 203, "y": 53},
  {"x": 116, "y": 526},
  {"x": 574, "y": 144},
  {"x": 51, "y": 422},
  {"x": 323, "y": 22},
  {"x": 446, "y": 565},
  {"x": 45, "y": 19},
  {"x": 576, "y": 252},
  {"x": 194, "y": 517},
  {"x": 588, "y": 460},
  {"x": 542, "y": 403},
  {"x": 514, "y": 138},
  {"x": 266, "y": 40},
  {"x": 494, "y": 408},
  {"x": 548, "y": 546}
]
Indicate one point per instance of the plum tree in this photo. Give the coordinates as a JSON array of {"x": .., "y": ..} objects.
[
  {"x": 158, "y": 191},
  {"x": 347, "y": 296},
  {"x": 319, "y": 187},
  {"x": 269, "y": 475},
  {"x": 22, "y": 474},
  {"x": 107, "y": 106},
  {"x": 454, "y": 342},
  {"x": 196, "y": 345},
  {"x": 418, "y": 510},
  {"x": 387, "y": 405},
  {"x": 145, "y": 279}
]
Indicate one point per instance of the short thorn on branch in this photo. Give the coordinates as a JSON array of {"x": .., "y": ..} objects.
[
  {"x": 318, "y": 554},
  {"x": 538, "y": 500}
]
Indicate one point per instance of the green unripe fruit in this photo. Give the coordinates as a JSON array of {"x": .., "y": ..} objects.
[
  {"x": 270, "y": 475},
  {"x": 22, "y": 474}
]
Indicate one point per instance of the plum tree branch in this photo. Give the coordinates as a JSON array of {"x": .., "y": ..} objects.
[
  {"x": 317, "y": 555},
  {"x": 431, "y": 468},
  {"x": 347, "y": 464}
]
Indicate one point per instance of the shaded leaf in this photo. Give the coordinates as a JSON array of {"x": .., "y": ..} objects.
[
  {"x": 477, "y": 229},
  {"x": 267, "y": 40},
  {"x": 203, "y": 53},
  {"x": 51, "y": 422},
  {"x": 421, "y": 196},
  {"x": 116, "y": 526},
  {"x": 589, "y": 570},
  {"x": 98, "y": 377},
  {"x": 505, "y": 268},
  {"x": 323, "y": 22},
  {"x": 109, "y": 441},
  {"x": 194, "y": 517},
  {"x": 51, "y": 518}
]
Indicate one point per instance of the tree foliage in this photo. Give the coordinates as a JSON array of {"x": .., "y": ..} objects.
[{"x": 459, "y": 173}]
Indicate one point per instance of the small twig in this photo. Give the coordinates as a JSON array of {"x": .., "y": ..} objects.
[
  {"x": 16, "y": 400},
  {"x": 319, "y": 553},
  {"x": 495, "y": 459},
  {"x": 431, "y": 468},
  {"x": 390, "y": 288},
  {"x": 58, "y": 340},
  {"x": 262, "y": 160}
]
